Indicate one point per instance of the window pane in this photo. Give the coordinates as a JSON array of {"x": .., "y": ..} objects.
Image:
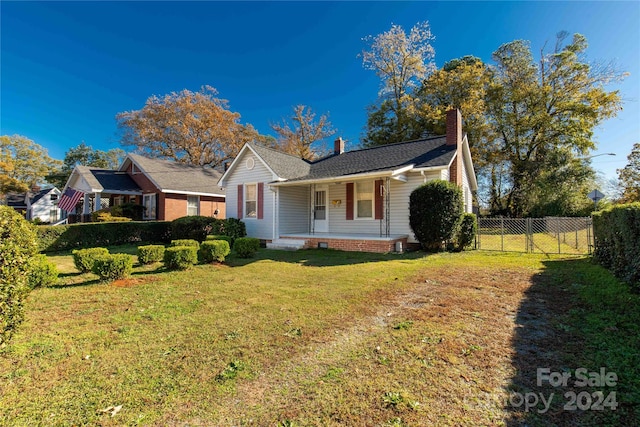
[
  {"x": 365, "y": 190},
  {"x": 364, "y": 209},
  {"x": 251, "y": 209},
  {"x": 251, "y": 192},
  {"x": 364, "y": 195}
]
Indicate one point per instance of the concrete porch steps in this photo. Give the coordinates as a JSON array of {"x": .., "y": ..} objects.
[{"x": 286, "y": 244}]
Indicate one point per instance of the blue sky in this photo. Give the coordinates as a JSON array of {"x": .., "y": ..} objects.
[{"x": 67, "y": 68}]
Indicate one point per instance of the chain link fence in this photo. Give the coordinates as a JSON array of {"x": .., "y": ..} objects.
[{"x": 536, "y": 235}]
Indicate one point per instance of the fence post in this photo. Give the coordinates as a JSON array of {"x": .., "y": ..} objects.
[{"x": 502, "y": 234}]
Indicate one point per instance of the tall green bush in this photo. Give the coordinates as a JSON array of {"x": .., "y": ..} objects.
[
  {"x": 185, "y": 242},
  {"x": 435, "y": 210},
  {"x": 18, "y": 244},
  {"x": 214, "y": 250},
  {"x": 234, "y": 228},
  {"x": 83, "y": 259},
  {"x": 467, "y": 231},
  {"x": 617, "y": 236}
]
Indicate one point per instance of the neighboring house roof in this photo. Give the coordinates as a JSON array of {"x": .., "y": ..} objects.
[
  {"x": 35, "y": 197},
  {"x": 107, "y": 180},
  {"x": 172, "y": 177},
  {"x": 16, "y": 200}
]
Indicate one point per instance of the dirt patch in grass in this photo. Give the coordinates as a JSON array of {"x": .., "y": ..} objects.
[{"x": 133, "y": 281}]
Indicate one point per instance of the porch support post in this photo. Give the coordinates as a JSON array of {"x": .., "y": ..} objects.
[
  {"x": 387, "y": 205},
  {"x": 312, "y": 226},
  {"x": 97, "y": 202},
  {"x": 86, "y": 208}
]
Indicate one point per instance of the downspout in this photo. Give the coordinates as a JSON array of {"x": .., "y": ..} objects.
[{"x": 276, "y": 214}]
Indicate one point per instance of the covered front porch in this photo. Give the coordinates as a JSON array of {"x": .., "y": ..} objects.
[{"x": 355, "y": 242}]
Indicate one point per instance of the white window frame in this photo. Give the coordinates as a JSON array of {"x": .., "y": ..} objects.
[
  {"x": 357, "y": 199},
  {"x": 145, "y": 203},
  {"x": 118, "y": 200},
  {"x": 197, "y": 205},
  {"x": 246, "y": 200}
]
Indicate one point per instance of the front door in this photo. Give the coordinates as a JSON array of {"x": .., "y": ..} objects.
[{"x": 320, "y": 211}]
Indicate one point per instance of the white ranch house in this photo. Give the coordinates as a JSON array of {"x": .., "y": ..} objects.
[{"x": 355, "y": 200}]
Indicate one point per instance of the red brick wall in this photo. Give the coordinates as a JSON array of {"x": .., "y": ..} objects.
[
  {"x": 208, "y": 206},
  {"x": 356, "y": 245}
]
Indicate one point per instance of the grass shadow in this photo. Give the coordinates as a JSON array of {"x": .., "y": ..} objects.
[{"x": 575, "y": 315}]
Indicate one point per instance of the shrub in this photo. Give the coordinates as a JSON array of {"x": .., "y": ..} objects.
[
  {"x": 83, "y": 258},
  {"x": 617, "y": 233},
  {"x": 185, "y": 242},
  {"x": 180, "y": 257},
  {"x": 107, "y": 217},
  {"x": 78, "y": 236},
  {"x": 228, "y": 239},
  {"x": 43, "y": 272},
  {"x": 435, "y": 210},
  {"x": 150, "y": 253},
  {"x": 233, "y": 228},
  {"x": 194, "y": 227},
  {"x": 214, "y": 250},
  {"x": 246, "y": 247},
  {"x": 113, "y": 266},
  {"x": 18, "y": 244},
  {"x": 467, "y": 231}
]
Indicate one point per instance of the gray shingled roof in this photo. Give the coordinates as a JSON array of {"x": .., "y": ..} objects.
[
  {"x": 16, "y": 200},
  {"x": 284, "y": 165},
  {"x": 424, "y": 153},
  {"x": 179, "y": 177},
  {"x": 110, "y": 180}
]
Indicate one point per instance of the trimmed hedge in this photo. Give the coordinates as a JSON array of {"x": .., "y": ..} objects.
[
  {"x": 617, "y": 236},
  {"x": 89, "y": 235},
  {"x": 83, "y": 259},
  {"x": 195, "y": 227},
  {"x": 185, "y": 242},
  {"x": 113, "y": 266},
  {"x": 466, "y": 234},
  {"x": 233, "y": 227},
  {"x": 150, "y": 253},
  {"x": 246, "y": 247},
  {"x": 180, "y": 257},
  {"x": 43, "y": 272},
  {"x": 435, "y": 211},
  {"x": 228, "y": 239},
  {"x": 214, "y": 250},
  {"x": 18, "y": 244}
]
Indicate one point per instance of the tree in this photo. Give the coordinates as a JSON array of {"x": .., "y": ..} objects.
[
  {"x": 85, "y": 155},
  {"x": 188, "y": 127},
  {"x": 543, "y": 116},
  {"x": 23, "y": 164},
  {"x": 629, "y": 176},
  {"x": 301, "y": 138},
  {"x": 402, "y": 61}
]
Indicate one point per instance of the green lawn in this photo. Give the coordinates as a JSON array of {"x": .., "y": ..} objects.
[
  {"x": 545, "y": 243},
  {"x": 311, "y": 338}
]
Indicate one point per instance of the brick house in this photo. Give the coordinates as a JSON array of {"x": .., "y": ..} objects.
[{"x": 168, "y": 190}]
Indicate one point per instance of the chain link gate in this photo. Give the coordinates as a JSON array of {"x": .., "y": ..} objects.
[{"x": 536, "y": 235}]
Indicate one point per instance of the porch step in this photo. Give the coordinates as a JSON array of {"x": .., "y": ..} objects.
[{"x": 286, "y": 244}]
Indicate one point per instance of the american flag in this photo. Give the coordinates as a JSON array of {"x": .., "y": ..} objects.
[{"x": 69, "y": 199}]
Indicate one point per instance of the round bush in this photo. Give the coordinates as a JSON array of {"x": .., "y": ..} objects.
[
  {"x": 113, "y": 266},
  {"x": 246, "y": 247},
  {"x": 221, "y": 237},
  {"x": 214, "y": 250},
  {"x": 180, "y": 257},
  {"x": 83, "y": 258},
  {"x": 194, "y": 227},
  {"x": 150, "y": 253},
  {"x": 234, "y": 228},
  {"x": 18, "y": 244},
  {"x": 185, "y": 242},
  {"x": 467, "y": 231},
  {"x": 43, "y": 272},
  {"x": 435, "y": 209}
]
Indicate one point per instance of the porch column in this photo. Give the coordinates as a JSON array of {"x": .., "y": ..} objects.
[
  {"x": 86, "y": 208},
  {"x": 96, "y": 205}
]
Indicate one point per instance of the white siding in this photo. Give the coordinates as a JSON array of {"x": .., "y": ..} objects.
[
  {"x": 294, "y": 215},
  {"x": 338, "y": 222},
  {"x": 466, "y": 190},
  {"x": 399, "y": 193},
  {"x": 259, "y": 228}
]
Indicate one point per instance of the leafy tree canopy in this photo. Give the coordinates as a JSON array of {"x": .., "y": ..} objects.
[
  {"x": 301, "y": 135},
  {"x": 23, "y": 164}
]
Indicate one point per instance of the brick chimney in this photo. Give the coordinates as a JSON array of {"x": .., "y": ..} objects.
[
  {"x": 338, "y": 146},
  {"x": 454, "y": 137}
]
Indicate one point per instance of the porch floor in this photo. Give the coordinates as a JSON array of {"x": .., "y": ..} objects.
[{"x": 345, "y": 236}]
